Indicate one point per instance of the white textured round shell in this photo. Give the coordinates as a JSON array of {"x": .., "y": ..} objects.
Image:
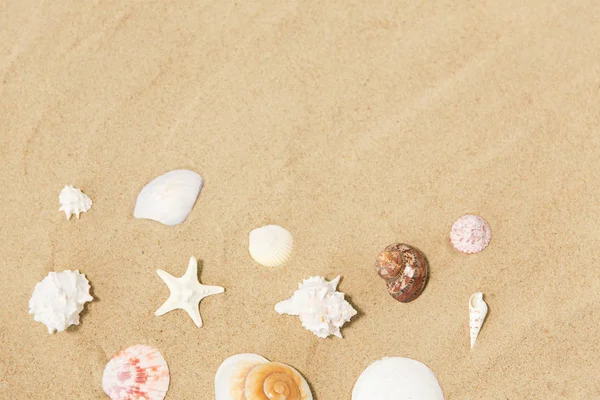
[
  {"x": 231, "y": 376},
  {"x": 397, "y": 378},
  {"x": 270, "y": 245},
  {"x": 169, "y": 198}
]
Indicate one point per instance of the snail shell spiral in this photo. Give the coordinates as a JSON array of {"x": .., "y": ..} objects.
[
  {"x": 252, "y": 377},
  {"x": 273, "y": 381},
  {"x": 405, "y": 270}
]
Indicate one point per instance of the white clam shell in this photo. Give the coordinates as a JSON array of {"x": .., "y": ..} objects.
[
  {"x": 169, "y": 198},
  {"x": 230, "y": 380},
  {"x": 270, "y": 245},
  {"x": 397, "y": 378},
  {"x": 478, "y": 310}
]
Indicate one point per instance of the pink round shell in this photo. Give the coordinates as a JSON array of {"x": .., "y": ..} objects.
[
  {"x": 138, "y": 372},
  {"x": 470, "y": 234}
]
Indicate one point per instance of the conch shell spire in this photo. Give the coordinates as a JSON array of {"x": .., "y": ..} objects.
[{"x": 478, "y": 310}]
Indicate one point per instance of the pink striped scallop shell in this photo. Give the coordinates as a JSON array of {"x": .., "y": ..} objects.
[
  {"x": 137, "y": 373},
  {"x": 470, "y": 234}
]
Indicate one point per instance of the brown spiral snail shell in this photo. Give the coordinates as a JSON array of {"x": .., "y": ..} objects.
[
  {"x": 405, "y": 270},
  {"x": 252, "y": 377}
]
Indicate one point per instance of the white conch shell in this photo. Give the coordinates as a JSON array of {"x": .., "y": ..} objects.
[
  {"x": 322, "y": 310},
  {"x": 397, "y": 378},
  {"x": 59, "y": 298},
  {"x": 478, "y": 310},
  {"x": 271, "y": 245},
  {"x": 169, "y": 198},
  {"x": 250, "y": 377},
  {"x": 73, "y": 201}
]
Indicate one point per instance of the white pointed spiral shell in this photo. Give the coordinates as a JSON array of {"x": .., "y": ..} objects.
[
  {"x": 252, "y": 377},
  {"x": 478, "y": 310},
  {"x": 270, "y": 245}
]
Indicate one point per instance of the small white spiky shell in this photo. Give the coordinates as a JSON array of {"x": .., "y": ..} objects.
[
  {"x": 73, "y": 201},
  {"x": 250, "y": 376},
  {"x": 270, "y": 245},
  {"x": 169, "y": 198},
  {"x": 137, "y": 372},
  {"x": 397, "y": 378},
  {"x": 478, "y": 310}
]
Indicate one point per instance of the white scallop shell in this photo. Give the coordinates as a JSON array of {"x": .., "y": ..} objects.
[
  {"x": 169, "y": 198},
  {"x": 397, "y": 378},
  {"x": 73, "y": 201},
  {"x": 270, "y": 245},
  {"x": 230, "y": 380},
  {"x": 478, "y": 310}
]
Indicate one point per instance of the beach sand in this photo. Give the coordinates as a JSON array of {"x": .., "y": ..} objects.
[{"x": 354, "y": 124}]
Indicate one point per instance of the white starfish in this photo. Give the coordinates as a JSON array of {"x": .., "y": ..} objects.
[{"x": 186, "y": 292}]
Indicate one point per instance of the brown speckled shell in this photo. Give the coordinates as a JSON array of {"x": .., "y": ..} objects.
[{"x": 405, "y": 269}]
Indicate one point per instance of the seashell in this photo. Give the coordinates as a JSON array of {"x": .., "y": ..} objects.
[
  {"x": 322, "y": 310},
  {"x": 405, "y": 269},
  {"x": 59, "y": 298},
  {"x": 73, "y": 201},
  {"x": 169, "y": 198},
  {"x": 397, "y": 378},
  {"x": 252, "y": 377},
  {"x": 138, "y": 372},
  {"x": 478, "y": 310},
  {"x": 271, "y": 245},
  {"x": 470, "y": 234}
]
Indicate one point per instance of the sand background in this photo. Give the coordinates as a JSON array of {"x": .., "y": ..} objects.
[{"x": 355, "y": 124}]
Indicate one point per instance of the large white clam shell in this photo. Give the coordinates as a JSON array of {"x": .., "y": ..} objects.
[
  {"x": 397, "y": 378},
  {"x": 270, "y": 245},
  {"x": 239, "y": 377},
  {"x": 169, "y": 198}
]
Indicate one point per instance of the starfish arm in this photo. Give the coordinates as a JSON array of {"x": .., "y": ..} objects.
[
  {"x": 167, "y": 306},
  {"x": 194, "y": 313},
  {"x": 192, "y": 270},
  {"x": 169, "y": 279},
  {"x": 213, "y": 289}
]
